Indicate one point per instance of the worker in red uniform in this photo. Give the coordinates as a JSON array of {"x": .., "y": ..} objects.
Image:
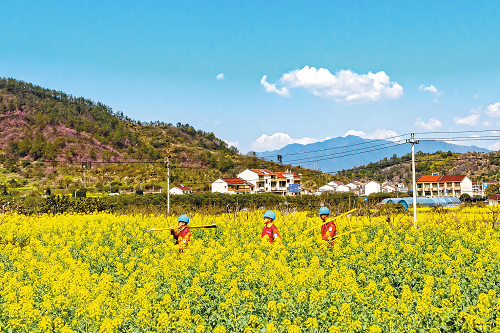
[
  {"x": 183, "y": 236},
  {"x": 329, "y": 229},
  {"x": 270, "y": 232}
]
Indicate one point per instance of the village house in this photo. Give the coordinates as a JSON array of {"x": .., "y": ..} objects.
[
  {"x": 494, "y": 199},
  {"x": 265, "y": 180},
  {"x": 372, "y": 187},
  {"x": 442, "y": 186},
  {"x": 232, "y": 186},
  {"x": 180, "y": 189}
]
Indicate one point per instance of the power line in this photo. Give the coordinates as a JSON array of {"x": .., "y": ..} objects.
[
  {"x": 387, "y": 139},
  {"x": 346, "y": 146},
  {"x": 315, "y": 158}
]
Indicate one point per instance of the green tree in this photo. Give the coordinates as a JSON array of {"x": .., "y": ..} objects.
[
  {"x": 12, "y": 105},
  {"x": 492, "y": 190},
  {"x": 38, "y": 147},
  {"x": 24, "y": 146},
  {"x": 93, "y": 155}
]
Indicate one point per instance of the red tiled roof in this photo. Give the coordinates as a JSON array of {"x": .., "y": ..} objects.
[
  {"x": 425, "y": 179},
  {"x": 184, "y": 188},
  {"x": 495, "y": 197},
  {"x": 491, "y": 182},
  {"x": 280, "y": 175},
  {"x": 453, "y": 178},
  {"x": 236, "y": 181},
  {"x": 263, "y": 171}
]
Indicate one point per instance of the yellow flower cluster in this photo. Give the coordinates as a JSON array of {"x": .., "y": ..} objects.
[{"x": 104, "y": 273}]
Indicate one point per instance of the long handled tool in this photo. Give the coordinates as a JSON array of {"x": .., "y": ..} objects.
[
  {"x": 331, "y": 219},
  {"x": 196, "y": 227}
]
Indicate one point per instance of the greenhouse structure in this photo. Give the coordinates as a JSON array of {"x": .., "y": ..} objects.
[{"x": 424, "y": 201}]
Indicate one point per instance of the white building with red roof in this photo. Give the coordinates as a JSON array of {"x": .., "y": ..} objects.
[
  {"x": 443, "y": 186},
  {"x": 232, "y": 186},
  {"x": 266, "y": 180},
  {"x": 180, "y": 189}
]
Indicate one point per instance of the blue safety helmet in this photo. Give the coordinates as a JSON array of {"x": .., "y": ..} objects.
[
  {"x": 324, "y": 211},
  {"x": 270, "y": 214},
  {"x": 183, "y": 218}
]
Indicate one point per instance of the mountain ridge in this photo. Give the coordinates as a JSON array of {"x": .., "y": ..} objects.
[{"x": 342, "y": 153}]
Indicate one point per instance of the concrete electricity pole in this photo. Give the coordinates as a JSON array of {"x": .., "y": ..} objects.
[
  {"x": 168, "y": 184},
  {"x": 413, "y": 142}
]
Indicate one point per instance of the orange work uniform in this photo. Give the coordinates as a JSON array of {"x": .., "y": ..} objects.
[
  {"x": 270, "y": 233},
  {"x": 183, "y": 237},
  {"x": 329, "y": 231}
]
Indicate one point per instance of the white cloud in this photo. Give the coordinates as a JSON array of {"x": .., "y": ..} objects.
[
  {"x": 471, "y": 120},
  {"x": 234, "y": 144},
  {"x": 377, "y": 134},
  {"x": 495, "y": 146},
  {"x": 487, "y": 123},
  {"x": 493, "y": 110},
  {"x": 344, "y": 86},
  {"x": 271, "y": 88},
  {"x": 277, "y": 141},
  {"x": 432, "y": 90},
  {"x": 433, "y": 123},
  {"x": 220, "y": 76},
  {"x": 476, "y": 96}
]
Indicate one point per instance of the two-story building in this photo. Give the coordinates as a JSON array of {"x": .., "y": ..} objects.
[
  {"x": 443, "y": 186},
  {"x": 265, "y": 180}
]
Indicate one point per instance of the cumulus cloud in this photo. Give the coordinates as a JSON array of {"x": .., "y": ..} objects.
[
  {"x": 277, "y": 141},
  {"x": 234, "y": 144},
  {"x": 377, "y": 134},
  {"x": 271, "y": 88},
  {"x": 471, "y": 120},
  {"x": 433, "y": 90},
  {"x": 344, "y": 86},
  {"x": 220, "y": 76},
  {"x": 433, "y": 123},
  {"x": 493, "y": 110},
  {"x": 495, "y": 146}
]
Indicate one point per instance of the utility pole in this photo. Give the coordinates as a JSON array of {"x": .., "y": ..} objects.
[
  {"x": 413, "y": 142},
  {"x": 168, "y": 184}
]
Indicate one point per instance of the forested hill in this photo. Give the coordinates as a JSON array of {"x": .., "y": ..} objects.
[{"x": 46, "y": 136}]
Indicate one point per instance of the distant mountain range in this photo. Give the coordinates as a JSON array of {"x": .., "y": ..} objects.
[{"x": 351, "y": 151}]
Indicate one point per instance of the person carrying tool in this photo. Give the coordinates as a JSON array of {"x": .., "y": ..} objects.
[
  {"x": 329, "y": 229},
  {"x": 183, "y": 236},
  {"x": 270, "y": 232}
]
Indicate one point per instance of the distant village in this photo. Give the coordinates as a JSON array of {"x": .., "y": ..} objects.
[{"x": 289, "y": 183}]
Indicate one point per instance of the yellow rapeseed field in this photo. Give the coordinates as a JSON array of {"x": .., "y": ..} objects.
[{"x": 105, "y": 273}]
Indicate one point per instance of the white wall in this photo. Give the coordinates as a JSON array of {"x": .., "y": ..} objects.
[
  {"x": 219, "y": 186},
  {"x": 372, "y": 187},
  {"x": 466, "y": 186},
  {"x": 176, "y": 190},
  {"x": 343, "y": 188},
  {"x": 249, "y": 176}
]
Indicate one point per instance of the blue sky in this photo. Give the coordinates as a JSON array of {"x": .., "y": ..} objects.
[{"x": 371, "y": 68}]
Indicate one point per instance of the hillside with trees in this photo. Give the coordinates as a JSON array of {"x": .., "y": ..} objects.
[{"x": 53, "y": 141}]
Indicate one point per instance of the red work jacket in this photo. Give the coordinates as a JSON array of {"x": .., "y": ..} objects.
[
  {"x": 328, "y": 231},
  {"x": 183, "y": 237},
  {"x": 270, "y": 233}
]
